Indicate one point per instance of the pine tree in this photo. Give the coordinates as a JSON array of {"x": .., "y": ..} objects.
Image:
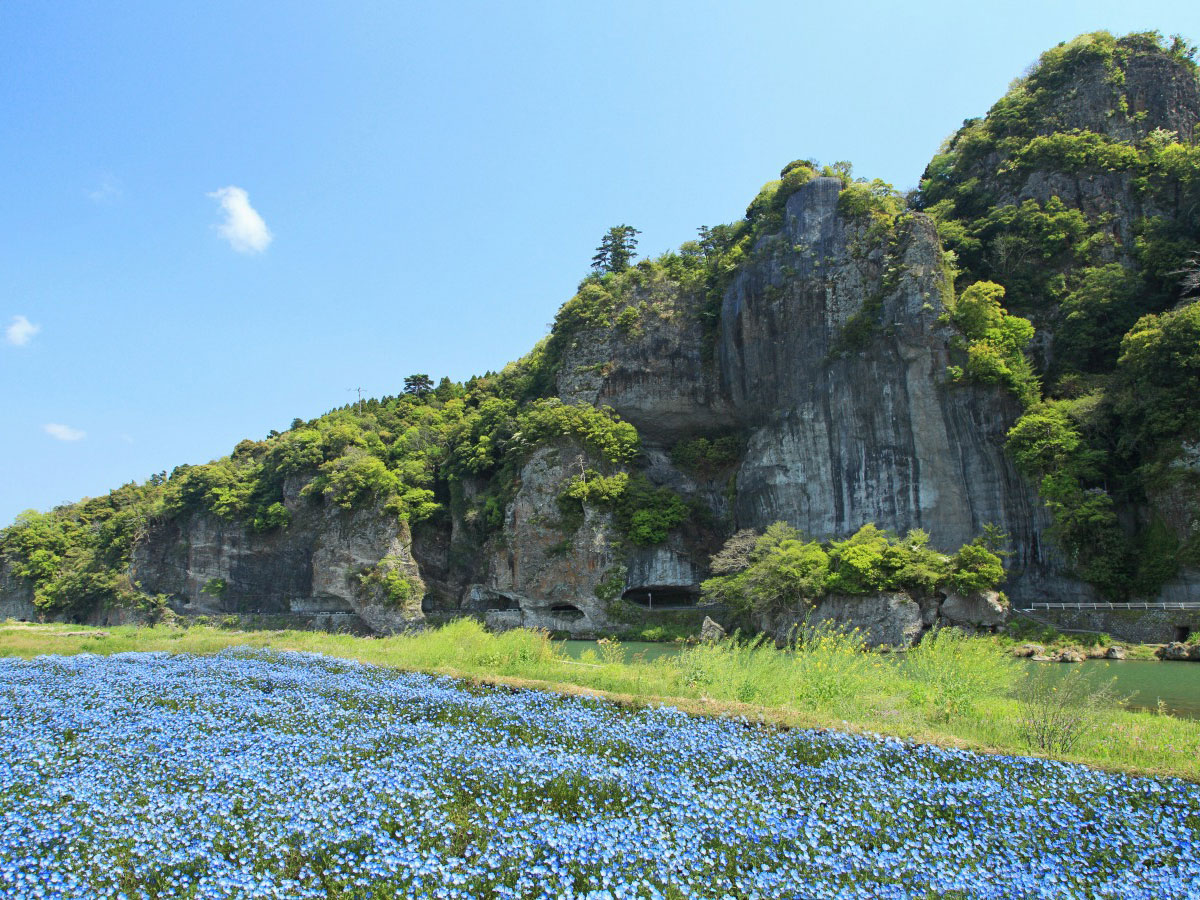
[
  {"x": 418, "y": 385},
  {"x": 616, "y": 250}
]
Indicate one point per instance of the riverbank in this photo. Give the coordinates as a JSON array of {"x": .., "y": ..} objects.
[
  {"x": 1143, "y": 683},
  {"x": 954, "y": 691}
]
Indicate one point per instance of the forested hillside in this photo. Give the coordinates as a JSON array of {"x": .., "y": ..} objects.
[{"x": 1075, "y": 203}]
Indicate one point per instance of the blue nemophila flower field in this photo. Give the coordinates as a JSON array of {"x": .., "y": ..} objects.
[{"x": 255, "y": 774}]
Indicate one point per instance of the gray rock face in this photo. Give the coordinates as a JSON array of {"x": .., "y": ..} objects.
[
  {"x": 711, "y": 632},
  {"x": 1180, "y": 652},
  {"x": 979, "y": 610},
  {"x": 540, "y": 573},
  {"x": 893, "y": 620},
  {"x": 837, "y": 436},
  {"x": 310, "y": 572},
  {"x": 874, "y": 435},
  {"x": 663, "y": 566},
  {"x": 658, "y": 380},
  {"x": 1159, "y": 93},
  {"x": 16, "y": 597},
  {"x": 886, "y": 619}
]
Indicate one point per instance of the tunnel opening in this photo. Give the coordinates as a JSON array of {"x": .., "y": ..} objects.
[
  {"x": 669, "y": 596},
  {"x": 500, "y": 601},
  {"x": 1182, "y": 633},
  {"x": 567, "y": 611}
]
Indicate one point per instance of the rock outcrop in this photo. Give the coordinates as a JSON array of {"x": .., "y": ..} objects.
[
  {"x": 326, "y": 570},
  {"x": 837, "y": 436},
  {"x": 984, "y": 609},
  {"x": 888, "y": 619},
  {"x": 1179, "y": 652},
  {"x": 16, "y": 596},
  {"x": 542, "y": 573},
  {"x": 711, "y": 632}
]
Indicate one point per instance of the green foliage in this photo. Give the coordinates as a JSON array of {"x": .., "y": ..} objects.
[
  {"x": 1158, "y": 379},
  {"x": 1046, "y": 440},
  {"x": 612, "y": 585},
  {"x": 708, "y": 457},
  {"x": 873, "y": 201},
  {"x": 593, "y": 487},
  {"x": 1077, "y": 151},
  {"x": 974, "y": 568},
  {"x": 215, "y": 587},
  {"x": 996, "y": 341},
  {"x": 274, "y": 517},
  {"x": 784, "y": 571},
  {"x": 1148, "y": 407},
  {"x": 400, "y": 454},
  {"x": 1059, "y": 710},
  {"x": 1101, "y": 308},
  {"x": 418, "y": 385},
  {"x": 827, "y": 671},
  {"x": 599, "y": 429},
  {"x": 397, "y": 588},
  {"x": 861, "y": 562},
  {"x": 643, "y": 513},
  {"x": 355, "y": 480},
  {"x": 76, "y": 556},
  {"x": 1048, "y": 444},
  {"x": 1119, "y": 350},
  {"x": 646, "y": 514}
]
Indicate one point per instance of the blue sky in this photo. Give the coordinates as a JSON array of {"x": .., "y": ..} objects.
[{"x": 219, "y": 216}]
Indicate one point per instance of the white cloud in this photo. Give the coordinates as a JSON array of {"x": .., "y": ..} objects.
[
  {"x": 64, "y": 432},
  {"x": 243, "y": 227},
  {"x": 20, "y": 331},
  {"x": 108, "y": 189}
]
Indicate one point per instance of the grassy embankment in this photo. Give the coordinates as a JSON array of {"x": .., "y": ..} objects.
[{"x": 953, "y": 691}]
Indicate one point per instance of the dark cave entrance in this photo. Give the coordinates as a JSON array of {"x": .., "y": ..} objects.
[
  {"x": 1182, "y": 633},
  {"x": 567, "y": 611},
  {"x": 669, "y": 596}
]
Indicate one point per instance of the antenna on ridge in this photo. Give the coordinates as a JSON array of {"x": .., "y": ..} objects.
[{"x": 359, "y": 391}]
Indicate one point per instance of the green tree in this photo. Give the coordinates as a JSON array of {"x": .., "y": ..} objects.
[
  {"x": 1158, "y": 374},
  {"x": 975, "y": 568},
  {"x": 418, "y": 385},
  {"x": 616, "y": 250}
]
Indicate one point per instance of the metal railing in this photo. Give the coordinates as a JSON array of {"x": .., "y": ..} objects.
[{"x": 1142, "y": 604}]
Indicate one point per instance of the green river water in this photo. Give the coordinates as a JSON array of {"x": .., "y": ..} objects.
[{"x": 1144, "y": 682}]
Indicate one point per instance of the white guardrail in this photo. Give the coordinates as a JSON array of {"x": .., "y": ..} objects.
[{"x": 1183, "y": 604}]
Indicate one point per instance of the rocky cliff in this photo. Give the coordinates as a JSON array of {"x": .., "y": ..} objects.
[
  {"x": 329, "y": 569},
  {"x": 834, "y": 437},
  {"x": 795, "y": 366}
]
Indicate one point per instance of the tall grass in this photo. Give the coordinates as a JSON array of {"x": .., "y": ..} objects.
[
  {"x": 826, "y": 670},
  {"x": 951, "y": 689},
  {"x": 949, "y": 673}
]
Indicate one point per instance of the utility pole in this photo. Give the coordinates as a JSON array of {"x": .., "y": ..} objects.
[{"x": 359, "y": 391}]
